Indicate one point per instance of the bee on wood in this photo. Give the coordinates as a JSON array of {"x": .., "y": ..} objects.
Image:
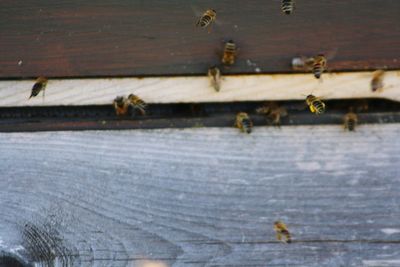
[
  {"x": 350, "y": 121},
  {"x": 288, "y": 6},
  {"x": 273, "y": 111},
  {"x": 319, "y": 65},
  {"x": 229, "y": 54},
  {"x": 39, "y": 85},
  {"x": 214, "y": 75},
  {"x": 377, "y": 80},
  {"x": 120, "y": 105},
  {"x": 315, "y": 104},
  {"x": 207, "y": 18},
  {"x": 243, "y": 122},
  {"x": 136, "y": 104},
  {"x": 282, "y": 232}
]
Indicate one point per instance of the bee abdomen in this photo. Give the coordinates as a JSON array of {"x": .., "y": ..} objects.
[
  {"x": 205, "y": 21},
  {"x": 317, "y": 70},
  {"x": 247, "y": 125},
  {"x": 319, "y": 107},
  {"x": 287, "y": 6},
  {"x": 351, "y": 124}
]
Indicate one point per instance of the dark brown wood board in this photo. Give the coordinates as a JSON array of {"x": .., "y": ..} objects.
[{"x": 71, "y": 38}]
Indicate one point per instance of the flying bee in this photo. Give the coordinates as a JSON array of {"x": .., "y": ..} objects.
[
  {"x": 136, "y": 103},
  {"x": 319, "y": 65},
  {"x": 243, "y": 122},
  {"x": 273, "y": 111},
  {"x": 214, "y": 75},
  {"x": 39, "y": 85},
  {"x": 315, "y": 104},
  {"x": 350, "y": 121},
  {"x": 207, "y": 18},
  {"x": 120, "y": 105},
  {"x": 288, "y": 6},
  {"x": 282, "y": 231},
  {"x": 229, "y": 54},
  {"x": 377, "y": 81}
]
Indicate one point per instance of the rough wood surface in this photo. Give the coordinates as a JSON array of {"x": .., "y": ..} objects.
[
  {"x": 198, "y": 89},
  {"x": 202, "y": 197},
  {"x": 70, "y": 38}
]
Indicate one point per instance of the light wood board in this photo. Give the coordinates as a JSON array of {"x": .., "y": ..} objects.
[
  {"x": 202, "y": 197},
  {"x": 198, "y": 89}
]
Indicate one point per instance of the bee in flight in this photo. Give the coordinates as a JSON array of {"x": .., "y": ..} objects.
[
  {"x": 317, "y": 65},
  {"x": 282, "y": 232},
  {"x": 350, "y": 121},
  {"x": 315, "y": 104},
  {"x": 214, "y": 75},
  {"x": 229, "y": 54},
  {"x": 243, "y": 122},
  {"x": 130, "y": 105},
  {"x": 288, "y": 6},
  {"x": 273, "y": 111},
  {"x": 40, "y": 85},
  {"x": 207, "y": 18},
  {"x": 377, "y": 80}
]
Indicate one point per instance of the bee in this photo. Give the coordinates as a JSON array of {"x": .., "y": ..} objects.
[
  {"x": 214, "y": 74},
  {"x": 243, "y": 122},
  {"x": 319, "y": 65},
  {"x": 136, "y": 104},
  {"x": 315, "y": 104},
  {"x": 282, "y": 231},
  {"x": 377, "y": 80},
  {"x": 207, "y": 18},
  {"x": 288, "y": 6},
  {"x": 39, "y": 85},
  {"x": 120, "y": 105},
  {"x": 273, "y": 111},
  {"x": 350, "y": 121},
  {"x": 229, "y": 54}
]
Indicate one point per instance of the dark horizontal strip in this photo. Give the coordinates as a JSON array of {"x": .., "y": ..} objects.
[
  {"x": 62, "y": 118},
  {"x": 154, "y": 38}
]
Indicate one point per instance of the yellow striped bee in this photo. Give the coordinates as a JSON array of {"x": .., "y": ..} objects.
[
  {"x": 350, "y": 121},
  {"x": 207, "y": 18},
  {"x": 315, "y": 104},
  {"x": 136, "y": 103},
  {"x": 39, "y": 85},
  {"x": 243, "y": 122},
  {"x": 282, "y": 232},
  {"x": 377, "y": 81},
  {"x": 120, "y": 105},
  {"x": 319, "y": 65},
  {"x": 214, "y": 75},
  {"x": 288, "y": 6},
  {"x": 229, "y": 54},
  {"x": 273, "y": 111}
]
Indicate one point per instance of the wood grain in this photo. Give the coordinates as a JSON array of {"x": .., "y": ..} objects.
[
  {"x": 198, "y": 89},
  {"x": 71, "y": 38},
  {"x": 202, "y": 197}
]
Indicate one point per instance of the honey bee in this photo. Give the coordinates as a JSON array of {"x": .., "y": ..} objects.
[
  {"x": 120, "y": 105},
  {"x": 229, "y": 54},
  {"x": 319, "y": 65},
  {"x": 39, "y": 85},
  {"x": 136, "y": 104},
  {"x": 282, "y": 231},
  {"x": 288, "y": 6},
  {"x": 214, "y": 74},
  {"x": 350, "y": 121},
  {"x": 315, "y": 104},
  {"x": 243, "y": 122},
  {"x": 207, "y": 18},
  {"x": 273, "y": 111},
  {"x": 377, "y": 80}
]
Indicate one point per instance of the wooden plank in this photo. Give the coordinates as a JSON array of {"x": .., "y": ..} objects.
[
  {"x": 202, "y": 197},
  {"x": 71, "y": 38},
  {"x": 198, "y": 89}
]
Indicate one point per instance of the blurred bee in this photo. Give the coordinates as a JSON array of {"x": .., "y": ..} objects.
[
  {"x": 120, "y": 105},
  {"x": 273, "y": 111},
  {"x": 39, "y": 85},
  {"x": 350, "y": 121},
  {"x": 319, "y": 65},
  {"x": 282, "y": 231},
  {"x": 214, "y": 75},
  {"x": 136, "y": 104},
  {"x": 288, "y": 6},
  {"x": 243, "y": 122},
  {"x": 229, "y": 54},
  {"x": 315, "y": 104},
  {"x": 377, "y": 80},
  {"x": 207, "y": 18}
]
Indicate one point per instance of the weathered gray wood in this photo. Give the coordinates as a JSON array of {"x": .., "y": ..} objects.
[{"x": 202, "y": 197}]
